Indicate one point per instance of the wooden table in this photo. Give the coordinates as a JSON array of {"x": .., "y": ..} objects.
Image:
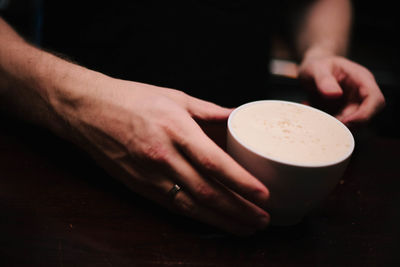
[{"x": 57, "y": 208}]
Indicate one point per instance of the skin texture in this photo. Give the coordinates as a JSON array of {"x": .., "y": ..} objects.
[{"x": 149, "y": 137}]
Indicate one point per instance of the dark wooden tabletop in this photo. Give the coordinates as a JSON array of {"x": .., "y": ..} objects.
[{"x": 57, "y": 208}]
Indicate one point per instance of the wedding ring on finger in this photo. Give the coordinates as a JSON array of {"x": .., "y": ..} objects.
[{"x": 174, "y": 190}]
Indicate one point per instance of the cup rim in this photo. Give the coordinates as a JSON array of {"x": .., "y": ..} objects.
[{"x": 341, "y": 159}]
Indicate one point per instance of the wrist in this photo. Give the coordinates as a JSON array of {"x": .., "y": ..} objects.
[
  {"x": 67, "y": 87},
  {"x": 318, "y": 51},
  {"x": 324, "y": 49},
  {"x": 60, "y": 91}
]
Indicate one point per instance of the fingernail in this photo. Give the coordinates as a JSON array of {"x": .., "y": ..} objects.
[{"x": 262, "y": 196}]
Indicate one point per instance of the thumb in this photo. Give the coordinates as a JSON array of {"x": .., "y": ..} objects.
[
  {"x": 204, "y": 110},
  {"x": 328, "y": 86}
]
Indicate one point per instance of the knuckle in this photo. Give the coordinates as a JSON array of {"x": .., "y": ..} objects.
[
  {"x": 208, "y": 163},
  {"x": 177, "y": 92},
  {"x": 156, "y": 152},
  {"x": 179, "y": 95},
  {"x": 206, "y": 194},
  {"x": 173, "y": 124},
  {"x": 366, "y": 73}
]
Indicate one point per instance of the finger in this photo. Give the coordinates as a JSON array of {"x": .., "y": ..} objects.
[
  {"x": 214, "y": 162},
  {"x": 361, "y": 79},
  {"x": 347, "y": 110},
  {"x": 200, "y": 109},
  {"x": 185, "y": 204},
  {"x": 365, "y": 111},
  {"x": 327, "y": 85},
  {"x": 157, "y": 189},
  {"x": 371, "y": 97},
  {"x": 213, "y": 195}
]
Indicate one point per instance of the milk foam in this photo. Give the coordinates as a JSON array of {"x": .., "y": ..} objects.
[{"x": 291, "y": 133}]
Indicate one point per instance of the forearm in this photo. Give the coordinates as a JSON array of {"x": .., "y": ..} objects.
[
  {"x": 324, "y": 28},
  {"x": 38, "y": 86}
]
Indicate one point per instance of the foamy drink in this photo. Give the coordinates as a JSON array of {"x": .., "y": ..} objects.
[{"x": 292, "y": 133}]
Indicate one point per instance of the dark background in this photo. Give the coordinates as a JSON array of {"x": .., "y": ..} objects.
[
  {"x": 374, "y": 45},
  {"x": 374, "y": 39}
]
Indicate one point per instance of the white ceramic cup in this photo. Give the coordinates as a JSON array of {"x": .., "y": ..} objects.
[{"x": 295, "y": 189}]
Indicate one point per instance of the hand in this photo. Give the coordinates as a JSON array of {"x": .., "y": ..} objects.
[
  {"x": 345, "y": 84},
  {"x": 147, "y": 137}
]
